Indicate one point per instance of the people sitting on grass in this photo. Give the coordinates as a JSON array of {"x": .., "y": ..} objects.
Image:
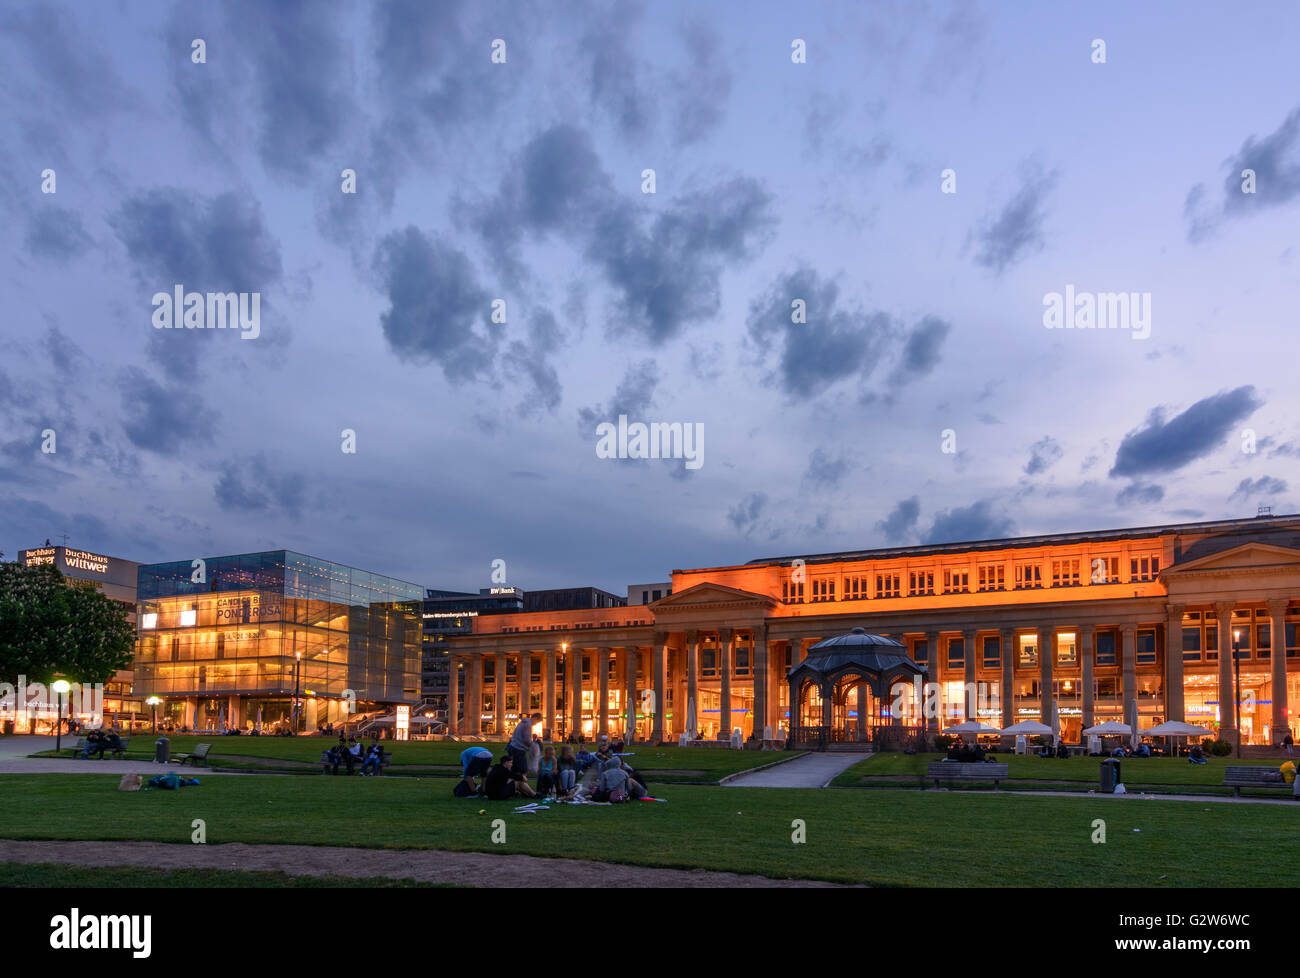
[
  {"x": 1062, "y": 750},
  {"x": 334, "y": 756},
  {"x": 374, "y": 762},
  {"x": 1196, "y": 755},
  {"x": 614, "y": 785},
  {"x": 502, "y": 784},
  {"x": 548, "y": 773},
  {"x": 474, "y": 763},
  {"x": 567, "y": 769},
  {"x": 585, "y": 758}
]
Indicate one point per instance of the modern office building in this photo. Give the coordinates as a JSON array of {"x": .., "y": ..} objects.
[
  {"x": 447, "y": 613},
  {"x": 1137, "y": 625},
  {"x": 115, "y": 578},
  {"x": 646, "y": 593},
  {"x": 571, "y": 599},
  {"x": 239, "y": 640}
]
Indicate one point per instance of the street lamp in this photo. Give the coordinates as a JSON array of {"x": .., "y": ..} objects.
[
  {"x": 153, "y": 702},
  {"x": 297, "y": 669},
  {"x": 1236, "y": 688},
  {"x": 60, "y": 686}
]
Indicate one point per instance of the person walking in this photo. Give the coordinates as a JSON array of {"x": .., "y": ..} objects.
[{"x": 520, "y": 741}]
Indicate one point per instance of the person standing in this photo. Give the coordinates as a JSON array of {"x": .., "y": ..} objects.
[
  {"x": 520, "y": 742},
  {"x": 1289, "y": 743}
]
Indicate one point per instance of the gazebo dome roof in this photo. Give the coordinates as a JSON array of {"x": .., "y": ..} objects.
[{"x": 857, "y": 648}]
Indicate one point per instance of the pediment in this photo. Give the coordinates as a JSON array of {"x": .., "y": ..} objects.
[
  {"x": 710, "y": 595},
  {"x": 1244, "y": 558}
]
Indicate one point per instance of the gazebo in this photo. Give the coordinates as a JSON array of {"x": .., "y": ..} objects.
[{"x": 842, "y": 692}]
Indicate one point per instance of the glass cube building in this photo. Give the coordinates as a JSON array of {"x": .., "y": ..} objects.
[{"x": 231, "y": 649}]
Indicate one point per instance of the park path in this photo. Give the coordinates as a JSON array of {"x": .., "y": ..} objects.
[
  {"x": 422, "y": 865},
  {"x": 14, "y": 760},
  {"x": 813, "y": 770}
]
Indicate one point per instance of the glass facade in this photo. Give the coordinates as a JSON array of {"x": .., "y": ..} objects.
[{"x": 244, "y": 628}]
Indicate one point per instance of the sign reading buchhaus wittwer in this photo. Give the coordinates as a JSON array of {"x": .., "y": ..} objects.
[
  {"x": 1135, "y": 625},
  {"x": 232, "y": 640}
]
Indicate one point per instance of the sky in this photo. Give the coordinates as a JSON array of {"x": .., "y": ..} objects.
[{"x": 860, "y": 214}]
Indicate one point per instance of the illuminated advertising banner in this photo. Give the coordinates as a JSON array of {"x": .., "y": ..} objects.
[{"x": 403, "y": 726}]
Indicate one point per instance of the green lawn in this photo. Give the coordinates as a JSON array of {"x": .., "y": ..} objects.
[
  {"x": 1135, "y": 772},
  {"x": 65, "y": 876},
  {"x": 885, "y": 838},
  {"x": 686, "y": 764}
]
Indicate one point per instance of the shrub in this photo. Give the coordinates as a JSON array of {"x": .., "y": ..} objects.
[{"x": 1220, "y": 748}]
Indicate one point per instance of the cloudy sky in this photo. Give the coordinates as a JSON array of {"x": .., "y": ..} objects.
[{"x": 923, "y": 399}]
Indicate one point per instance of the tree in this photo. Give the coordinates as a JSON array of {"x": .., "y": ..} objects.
[{"x": 48, "y": 628}]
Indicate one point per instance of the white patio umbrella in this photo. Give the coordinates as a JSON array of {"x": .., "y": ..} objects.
[
  {"x": 973, "y": 727},
  {"x": 1111, "y": 728},
  {"x": 1176, "y": 728},
  {"x": 1026, "y": 727},
  {"x": 692, "y": 722}
]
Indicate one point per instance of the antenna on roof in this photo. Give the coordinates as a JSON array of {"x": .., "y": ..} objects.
[{"x": 1264, "y": 511}]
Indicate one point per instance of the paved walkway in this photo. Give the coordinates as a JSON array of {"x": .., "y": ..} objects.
[
  {"x": 814, "y": 770},
  {"x": 14, "y": 759},
  {"x": 425, "y": 865}
]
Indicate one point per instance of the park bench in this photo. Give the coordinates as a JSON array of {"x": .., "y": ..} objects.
[
  {"x": 966, "y": 771},
  {"x": 1255, "y": 776},
  {"x": 117, "y": 751},
  {"x": 327, "y": 763},
  {"x": 199, "y": 754}
]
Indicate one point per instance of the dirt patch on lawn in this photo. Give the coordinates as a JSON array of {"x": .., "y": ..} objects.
[{"x": 425, "y": 865}]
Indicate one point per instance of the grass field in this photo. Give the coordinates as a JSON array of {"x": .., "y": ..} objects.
[
  {"x": 687, "y": 764},
  {"x": 1150, "y": 772},
  {"x": 894, "y": 838},
  {"x": 114, "y": 877}
]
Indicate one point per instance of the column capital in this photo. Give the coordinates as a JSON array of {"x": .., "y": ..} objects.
[
  {"x": 968, "y": 634},
  {"x": 1007, "y": 633},
  {"x": 1128, "y": 630},
  {"x": 1172, "y": 609},
  {"x": 605, "y": 649},
  {"x": 1223, "y": 609},
  {"x": 692, "y": 635},
  {"x": 1277, "y": 606},
  {"x": 725, "y": 632},
  {"x": 659, "y": 638}
]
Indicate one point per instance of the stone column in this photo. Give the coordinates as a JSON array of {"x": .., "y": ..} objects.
[
  {"x": 659, "y": 680},
  {"x": 602, "y": 658},
  {"x": 1281, "y": 721},
  {"x": 726, "y": 643},
  {"x": 969, "y": 639},
  {"x": 1128, "y": 634},
  {"x": 691, "y": 708},
  {"x": 1007, "y": 694},
  {"x": 1046, "y": 662},
  {"x": 1174, "y": 662},
  {"x": 760, "y": 666},
  {"x": 474, "y": 702},
  {"x": 1227, "y": 713},
  {"x": 525, "y": 677},
  {"x": 934, "y": 723},
  {"x": 860, "y": 699},
  {"x": 575, "y": 689},
  {"x": 500, "y": 689},
  {"x": 1087, "y": 654},
  {"x": 453, "y": 696},
  {"x": 548, "y": 687},
  {"x": 633, "y": 654},
  {"x": 776, "y": 674}
]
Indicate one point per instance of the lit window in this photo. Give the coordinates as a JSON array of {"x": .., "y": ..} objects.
[{"x": 149, "y": 620}]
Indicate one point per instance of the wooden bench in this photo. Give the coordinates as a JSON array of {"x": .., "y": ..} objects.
[
  {"x": 199, "y": 754},
  {"x": 327, "y": 763},
  {"x": 117, "y": 751},
  {"x": 1255, "y": 776},
  {"x": 941, "y": 771}
]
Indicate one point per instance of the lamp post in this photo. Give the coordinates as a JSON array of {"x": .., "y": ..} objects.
[
  {"x": 61, "y": 687},
  {"x": 153, "y": 702},
  {"x": 1236, "y": 687},
  {"x": 297, "y": 669}
]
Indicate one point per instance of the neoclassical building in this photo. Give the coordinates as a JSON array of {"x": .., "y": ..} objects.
[{"x": 1134, "y": 624}]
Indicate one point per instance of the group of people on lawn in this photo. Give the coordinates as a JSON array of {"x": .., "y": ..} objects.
[
  {"x": 350, "y": 752},
  {"x": 98, "y": 741},
  {"x": 558, "y": 777}
]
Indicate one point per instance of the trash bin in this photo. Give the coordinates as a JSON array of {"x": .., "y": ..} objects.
[
  {"x": 1110, "y": 775},
  {"x": 162, "y": 750}
]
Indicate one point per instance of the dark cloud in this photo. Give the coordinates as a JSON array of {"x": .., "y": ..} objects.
[
  {"x": 900, "y": 524},
  {"x": 162, "y": 420},
  {"x": 1140, "y": 494},
  {"x": 633, "y": 397},
  {"x": 56, "y": 233},
  {"x": 615, "y": 76},
  {"x": 1043, "y": 454},
  {"x": 965, "y": 523},
  {"x": 253, "y": 485},
  {"x": 435, "y": 303},
  {"x": 1017, "y": 230},
  {"x": 527, "y": 363},
  {"x": 69, "y": 73},
  {"x": 702, "y": 89},
  {"x": 29, "y": 522},
  {"x": 1275, "y": 160},
  {"x": 834, "y": 344},
  {"x": 824, "y": 470},
  {"x": 65, "y": 356},
  {"x": 1163, "y": 446},
  {"x": 921, "y": 348},
  {"x": 744, "y": 516},
  {"x": 1265, "y": 485}
]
